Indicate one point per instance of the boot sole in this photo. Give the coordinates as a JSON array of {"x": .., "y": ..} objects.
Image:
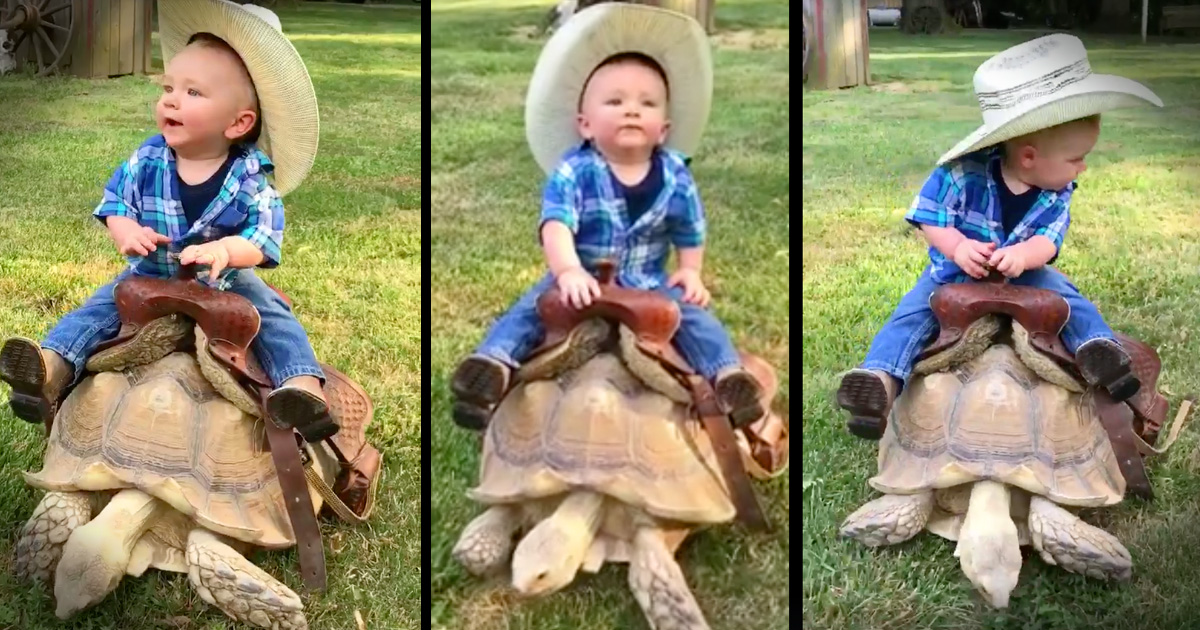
[
  {"x": 22, "y": 368},
  {"x": 866, "y": 398},
  {"x": 1105, "y": 366},
  {"x": 743, "y": 397},
  {"x": 302, "y": 411},
  {"x": 470, "y": 416},
  {"x": 478, "y": 381}
]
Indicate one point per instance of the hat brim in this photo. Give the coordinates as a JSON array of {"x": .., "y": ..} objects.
[
  {"x": 674, "y": 40},
  {"x": 286, "y": 98},
  {"x": 1097, "y": 94}
]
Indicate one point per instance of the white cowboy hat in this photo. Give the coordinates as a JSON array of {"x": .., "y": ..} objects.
[
  {"x": 1039, "y": 84},
  {"x": 674, "y": 40},
  {"x": 286, "y": 99}
]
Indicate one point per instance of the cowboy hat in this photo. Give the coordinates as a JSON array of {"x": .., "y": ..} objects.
[
  {"x": 286, "y": 99},
  {"x": 673, "y": 40},
  {"x": 1039, "y": 84}
]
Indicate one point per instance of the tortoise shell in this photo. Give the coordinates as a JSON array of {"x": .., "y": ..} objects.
[
  {"x": 598, "y": 426},
  {"x": 164, "y": 429},
  {"x": 992, "y": 417}
]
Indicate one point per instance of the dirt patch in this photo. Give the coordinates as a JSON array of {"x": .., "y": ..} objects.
[
  {"x": 910, "y": 87},
  {"x": 525, "y": 34},
  {"x": 752, "y": 39},
  {"x": 487, "y": 610}
]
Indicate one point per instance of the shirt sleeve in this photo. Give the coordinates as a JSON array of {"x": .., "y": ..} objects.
[
  {"x": 560, "y": 200},
  {"x": 938, "y": 202},
  {"x": 688, "y": 227},
  {"x": 1058, "y": 219},
  {"x": 121, "y": 196},
  {"x": 264, "y": 222}
]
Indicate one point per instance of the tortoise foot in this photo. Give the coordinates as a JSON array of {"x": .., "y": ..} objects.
[
  {"x": 226, "y": 579},
  {"x": 42, "y": 538},
  {"x": 152, "y": 342},
  {"x": 890, "y": 519},
  {"x": 487, "y": 541},
  {"x": 658, "y": 584},
  {"x": 1063, "y": 539}
]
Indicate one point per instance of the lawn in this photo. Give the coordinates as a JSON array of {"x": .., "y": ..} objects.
[
  {"x": 1132, "y": 248},
  {"x": 484, "y": 205},
  {"x": 351, "y": 262}
]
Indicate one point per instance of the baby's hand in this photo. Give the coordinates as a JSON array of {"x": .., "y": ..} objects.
[
  {"x": 141, "y": 242},
  {"x": 972, "y": 255},
  {"x": 578, "y": 287},
  {"x": 214, "y": 254},
  {"x": 1010, "y": 261},
  {"x": 693, "y": 287}
]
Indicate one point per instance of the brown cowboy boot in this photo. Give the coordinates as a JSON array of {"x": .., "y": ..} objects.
[
  {"x": 300, "y": 404},
  {"x": 740, "y": 394},
  {"x": 479, "y": 383},
  {"x": 1104, "y": 363},
  {"x": 37, "y": 377},
  {"x": 868, "y": 396}
]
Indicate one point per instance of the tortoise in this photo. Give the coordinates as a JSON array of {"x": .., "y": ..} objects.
[
  {"x": 150, "y": 466},
  {"x": 991, "y": 445},
  {"x": 594, "y": 455}
]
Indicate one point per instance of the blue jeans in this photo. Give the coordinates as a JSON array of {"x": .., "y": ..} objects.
[
  {"x": 913, "y": 325},
  {"x": 701, "y": 339},
  {"x": 281, "y": 346}
]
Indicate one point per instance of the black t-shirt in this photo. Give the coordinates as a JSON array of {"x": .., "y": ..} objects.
[
  {"x": 1012, "y": 207},
  {"x": 196, "y": 198},
  {"x": 641, "y": 196}
]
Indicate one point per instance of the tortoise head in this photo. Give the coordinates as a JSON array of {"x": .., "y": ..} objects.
[{"x": 989, "y": 549}]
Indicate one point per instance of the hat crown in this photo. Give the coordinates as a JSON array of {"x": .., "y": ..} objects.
[
  {"x": 1032, "y": 70},
  {"x": 265, "y": 15}
]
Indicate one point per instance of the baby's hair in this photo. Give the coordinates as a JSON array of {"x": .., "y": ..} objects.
[
  {"x": 628, "y": 57},
  {"x": 1049, "y": 134},
  {"x": 208, "y": 40}
]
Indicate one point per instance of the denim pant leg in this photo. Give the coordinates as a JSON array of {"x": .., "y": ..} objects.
[
  {"x": 911, "y": 326},
  {"x": 701, "y": 338},
  {"x": 281, "y": 346},
  {"x": 518, "y": 331},
  {"x": 77, "y": 334},
  {"x": 1085, "y": 322}
]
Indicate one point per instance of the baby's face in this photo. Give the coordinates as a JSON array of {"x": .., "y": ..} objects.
[
  {"x": 205, "y": 100},
  {"x": 1058, "y": 163},
  {"x": 624, "y": 109}
]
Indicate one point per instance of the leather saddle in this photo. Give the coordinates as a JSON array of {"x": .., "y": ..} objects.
[
  {"x": 654, "y": 318},
  {"x": 1043, "y": 313},
  {"x": 230, "y": 323}
]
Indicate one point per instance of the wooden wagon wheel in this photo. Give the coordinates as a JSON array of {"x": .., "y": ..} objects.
[{"x": 47, "y": 25}]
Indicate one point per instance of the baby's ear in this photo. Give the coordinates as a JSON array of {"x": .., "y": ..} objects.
[
  {"x": 242, "y": 125},
  {"x": 583, "y": 127}
]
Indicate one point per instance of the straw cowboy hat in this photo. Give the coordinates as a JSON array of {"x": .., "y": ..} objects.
[
  {"x": 674, "y": 40},
  {"x": 286, "y": 99},
  {"x": 1039, "y": 84}
]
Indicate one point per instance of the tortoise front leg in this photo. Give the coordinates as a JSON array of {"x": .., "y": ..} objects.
[
  {"x": 42, "y": 538},
  {"x": 226, "y": 579},
  {"x": 658, "y": 584}
]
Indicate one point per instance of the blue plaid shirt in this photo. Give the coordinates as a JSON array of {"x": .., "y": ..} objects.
[
  {"x": 962, "y": 194},
  {"x": 582, "y": 195},
  {"x": 145, "y": 189}
]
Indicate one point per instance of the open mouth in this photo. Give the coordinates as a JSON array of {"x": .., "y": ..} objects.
[{"x": 172, "y": 122}]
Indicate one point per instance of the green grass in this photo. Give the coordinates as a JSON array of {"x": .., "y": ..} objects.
[
  {"x": 351, "y": 262},
  {"x": 484, "y": 204},
  {"x": 1131, "y": 248}
]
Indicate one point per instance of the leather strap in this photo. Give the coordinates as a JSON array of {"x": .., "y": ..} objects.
[
  {"x": 289, "y": 468},
  {"x": 1117, "y": 419},
  {"x": 725, "y": 446}
]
